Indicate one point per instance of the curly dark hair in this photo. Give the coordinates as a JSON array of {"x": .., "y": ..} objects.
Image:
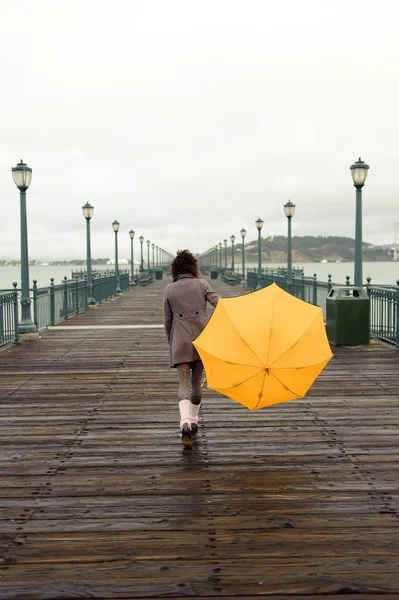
[{"x": 183, "y": 263}]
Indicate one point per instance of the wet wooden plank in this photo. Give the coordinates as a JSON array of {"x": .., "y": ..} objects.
[{"x": 98, "y": 499}]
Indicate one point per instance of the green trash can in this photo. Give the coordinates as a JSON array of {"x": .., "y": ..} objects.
[
  {"x": 214, "y": 274},
  {"x": 348, "y": 316},
  {"x": 158, "y": 274}
]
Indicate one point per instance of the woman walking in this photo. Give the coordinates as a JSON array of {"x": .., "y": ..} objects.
[{"x": 185, "y": 316}]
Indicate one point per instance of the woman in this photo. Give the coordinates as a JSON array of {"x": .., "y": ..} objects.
[{"x": 185, "y": 316}]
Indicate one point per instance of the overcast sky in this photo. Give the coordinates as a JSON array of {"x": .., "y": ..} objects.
[{"x": 186, "y": 120}]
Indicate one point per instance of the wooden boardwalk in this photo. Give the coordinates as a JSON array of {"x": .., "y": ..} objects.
[{"x": 99, "y": 500}]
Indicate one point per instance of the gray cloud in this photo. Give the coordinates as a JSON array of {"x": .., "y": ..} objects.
[{"x": 186, "y": 120}]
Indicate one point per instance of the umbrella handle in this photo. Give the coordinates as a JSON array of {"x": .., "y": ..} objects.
[{"x": 203, "y": 381}]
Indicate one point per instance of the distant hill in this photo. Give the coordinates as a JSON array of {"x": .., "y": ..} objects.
[{"x": 312, "y": 249}]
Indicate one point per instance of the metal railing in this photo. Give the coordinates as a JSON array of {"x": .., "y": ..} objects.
[
  {"x": 55, "y": 303},
  {"x": 384, "y": 300},
  {"x": 9, "y": 331},
  {"x": 384, "y": 313}
]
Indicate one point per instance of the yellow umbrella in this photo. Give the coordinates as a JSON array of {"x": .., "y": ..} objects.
[{"x": 263, "y": 348}]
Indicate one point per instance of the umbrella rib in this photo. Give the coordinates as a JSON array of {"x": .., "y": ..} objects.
[
  {"x": 246, "y": 344},
  {"x": 261, "y": 395},
  {"x": 241, "y": 382},
  {"x": 296, "y": 341},
  {"x": 271, "y": 322}
]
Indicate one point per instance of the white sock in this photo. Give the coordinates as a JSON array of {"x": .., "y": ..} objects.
[
  {"x": 194, "y": 410},
  {"x": 184, "y": 407}
]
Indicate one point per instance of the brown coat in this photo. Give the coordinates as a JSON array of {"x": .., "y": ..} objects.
[{"x": 185, "y": 315}]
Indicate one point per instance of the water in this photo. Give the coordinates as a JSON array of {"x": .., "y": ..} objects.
[
  {"x": 381, "y": 273},
  {"x": 41, "y": 274},
  {"x": 386, "y": 273}
]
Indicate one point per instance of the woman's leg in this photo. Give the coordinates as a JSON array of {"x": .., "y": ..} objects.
[
  {"x": 183, "y": 371},
  {"x": 197, "y": 371}
]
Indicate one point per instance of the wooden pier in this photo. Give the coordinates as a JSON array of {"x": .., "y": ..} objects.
[{"x": 98, "y": 499}]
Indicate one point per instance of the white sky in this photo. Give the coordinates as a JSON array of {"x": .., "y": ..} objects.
[{"x": 186, "y": 120}]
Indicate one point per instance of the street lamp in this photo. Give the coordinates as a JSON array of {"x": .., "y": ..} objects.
[
  {"x": 259, "y": 225},
  {"x": 141, "y": 261},
  {"x": 22, "y": 175},
  {"x": 157, "y": 248},
  {"x": 289, "y": 209},
  {"x": 153, "y": 255},
  {"x": 243, "y": 234},
  {"x": 88, "y": 211},
  {"x": 225, "y": 253},
  {"x": 359, "y": 174},
  {"x": 148, "y": 254},
  {"x": 115, "y": 227},
  {"x": 131, "y": 234},
  {"x": 220, "y": 254},
  {"x": 232, "y": 238}
]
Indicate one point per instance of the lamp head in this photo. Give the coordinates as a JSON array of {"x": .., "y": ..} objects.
[
  {"x": 141, "y": 239},
  {"x": 131, "y": 234},
  {"x": 22, "y": 175},
  {"x": 359, "y": 173},
  {"x": 259, "y": 223},
  {"x": 232, "y": 238},
  {"x": 289, "y": 209},
  {"x": 88, "y": 211},
  {"x": 115, "y": 226},
  {"x": 243, "y": 233}
]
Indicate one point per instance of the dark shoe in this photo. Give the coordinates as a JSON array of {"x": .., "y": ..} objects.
[
  {"x": 186, "y": 436},
  {"x": 194, "y": 428}
]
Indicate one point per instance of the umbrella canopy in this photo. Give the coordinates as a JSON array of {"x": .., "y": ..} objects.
[{"x": 263, "y": 348}]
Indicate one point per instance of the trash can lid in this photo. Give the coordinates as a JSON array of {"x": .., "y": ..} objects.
[{"x": 347, "y": 292}]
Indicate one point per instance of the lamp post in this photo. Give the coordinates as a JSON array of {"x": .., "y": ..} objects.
[
  {"x": 148, "y": 254},
  {"x": 243, "y": 234},
  {"x": 259, "y": 225},
  {"x": 220, "y": 255},
  {"x": 115, "y": 227},
  {"x": 359, "y": 174},
  {"x": 141, "y": 261},
  {"x": 289, "y": 209},
  {"x": 232, "y": 238},
  {"x": 157, "y": 259},
  {"x": 225, "y": 253},
  {"x": 131, "y": 234},
  {"x": 22, "y": 175},
  {"x": 88, "y": 211},
  {"x": 153, "y": 258}
]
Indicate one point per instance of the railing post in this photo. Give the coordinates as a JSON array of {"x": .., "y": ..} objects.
[
  {"x": 302, "y": 286},
  {"x": 52, "y": 302},
  {"x": 368, "y": 286},
  {"x": 347, "y": 283},
  {"x": 16, "y": 316},
  {"x": 86, "y": 292},
  {"x": 1, "y": 322},
  {"x": 77, "y": 295},
  {"x": 65, "y": 282},
  {"x": 329, "y": 283},
  {"x": 35, "y": 307},
  {"x": 397, "y": 314},
  {"x": 315, "y": 289}
]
